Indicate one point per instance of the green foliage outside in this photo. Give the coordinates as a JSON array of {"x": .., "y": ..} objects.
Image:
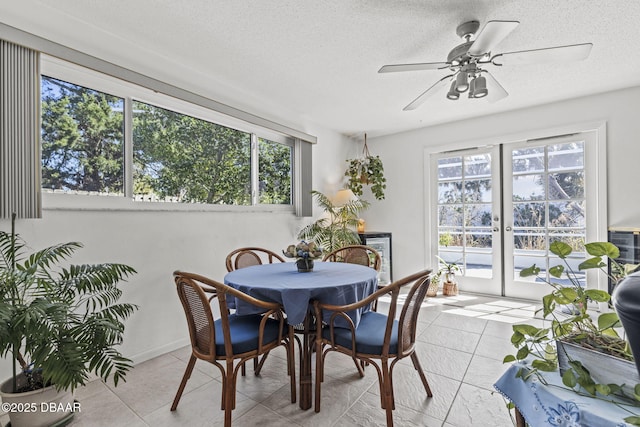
[
  {"x": 176, "y": 157},
  {"x": 82, "y": 134}
]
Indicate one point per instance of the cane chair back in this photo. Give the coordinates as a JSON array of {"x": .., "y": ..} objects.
[
  {"x": 229, "y": 340},
  {"x": 356, "y": 254},
  {"x": 246, "y": 257},
  {"x": 378, "y": 339}
]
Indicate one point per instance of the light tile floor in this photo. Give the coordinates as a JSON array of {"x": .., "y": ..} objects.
[{"x": 461, "y": 343}]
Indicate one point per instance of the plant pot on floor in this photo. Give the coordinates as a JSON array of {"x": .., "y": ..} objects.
[
  {"x": 450, "y": 288},
  {"x": 432, "y": 290},
  {"x": 38, "y": 408}
]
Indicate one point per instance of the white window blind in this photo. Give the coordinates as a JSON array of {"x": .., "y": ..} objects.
[{"x": 19, "y": 132}]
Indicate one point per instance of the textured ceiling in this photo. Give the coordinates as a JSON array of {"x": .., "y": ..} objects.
[{"x": 318, "y": 61}]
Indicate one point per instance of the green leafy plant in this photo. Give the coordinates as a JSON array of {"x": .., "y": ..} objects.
[
  {"x": 60, "y": 323},
  {"x": 447, "y": 269},
  {"x": 367, "y": 170},
  {"x": 567, "y": 308},
  {"x": 337, "y": 228}
]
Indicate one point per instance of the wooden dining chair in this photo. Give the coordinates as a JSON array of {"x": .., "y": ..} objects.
[
  {"x": 358, "y": 254},
  {"x": 246, "y": 257},
  {"x": 378, "y": 339},
  {"x": 230, "y": 340}
]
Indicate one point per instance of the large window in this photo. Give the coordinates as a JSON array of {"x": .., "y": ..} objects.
[
  {"x": 274, "y": 172},
  {"x": 82, "y": 139},
  {"x": 118, "y": 139},
  {"x": 180, "y": 158}
]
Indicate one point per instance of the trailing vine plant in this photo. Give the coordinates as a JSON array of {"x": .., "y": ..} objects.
[
  {"x": 366, "y": 170},
  {"x": 575, "y": 324}
]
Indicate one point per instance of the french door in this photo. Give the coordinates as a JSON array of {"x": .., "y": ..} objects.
[{"x": 497, "y": 209}]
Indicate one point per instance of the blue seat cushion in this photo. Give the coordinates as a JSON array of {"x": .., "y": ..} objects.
[
  {"x": 244, "y": 333},
  {"x": 369, "y": 334}
]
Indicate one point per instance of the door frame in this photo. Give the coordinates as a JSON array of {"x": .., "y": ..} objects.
[{"x": 597, "y": 212}]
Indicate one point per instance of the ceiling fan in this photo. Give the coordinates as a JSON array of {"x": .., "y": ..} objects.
[{"x": 467, "y": 62}]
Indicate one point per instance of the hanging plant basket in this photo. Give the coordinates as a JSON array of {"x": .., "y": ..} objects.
[{"x": 367, "y": 170}]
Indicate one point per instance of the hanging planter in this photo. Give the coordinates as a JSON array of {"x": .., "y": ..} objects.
[{"x": 367, "y": 170}]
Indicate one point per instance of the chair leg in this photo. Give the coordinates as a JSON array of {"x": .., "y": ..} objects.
[
  {"x": 183, "y": 383},
  {"x": 319, "y": 373},
  {"x": 291, "y": 363},
  {"x": 229, "y": 392},
  {"x": 387, "y": 392},
  {"x": 257, "y": 366},
  {"x": 359, "y": 366},
  {"x": 416, "y": 364}
]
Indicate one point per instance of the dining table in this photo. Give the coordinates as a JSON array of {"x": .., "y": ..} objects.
[{"x": 334, "y": 283}]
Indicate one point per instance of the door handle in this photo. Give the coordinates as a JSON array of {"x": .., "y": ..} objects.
[
  {"x": 508, "y": 228},
  {"x": 496, "y": 229}
]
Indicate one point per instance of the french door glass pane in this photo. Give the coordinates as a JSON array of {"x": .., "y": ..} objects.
[
  {"x": 528, "y": 187},
  {"x": 465, "y": 213},
  {"x": 548, "y": 204}
]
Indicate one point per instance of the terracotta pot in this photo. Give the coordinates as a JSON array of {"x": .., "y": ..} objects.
[{"x": 38, "y": 408}]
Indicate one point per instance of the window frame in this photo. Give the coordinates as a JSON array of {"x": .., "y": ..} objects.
[{"x": 76, "y": 74}]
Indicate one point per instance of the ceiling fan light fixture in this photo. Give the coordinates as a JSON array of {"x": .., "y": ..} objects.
[
  {"x": 453, "y": 94},
  {"x": 479, "y": 87},
  {"x": 462, "y": 84}
]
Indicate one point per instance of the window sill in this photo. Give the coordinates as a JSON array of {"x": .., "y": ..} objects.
[{"x": 77, "y": 202}]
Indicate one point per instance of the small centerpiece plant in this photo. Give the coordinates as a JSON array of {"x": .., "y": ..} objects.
[{"x": 305, "y": 253}]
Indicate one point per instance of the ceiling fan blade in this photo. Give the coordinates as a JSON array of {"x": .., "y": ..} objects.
[
  {"x": 496, "y": 91},
  {"x": 413, "y": 67},
  {"x": 492, "y": 34},
  {"x": 428, "y": 93},
  {"x": 575, "y": 52}
]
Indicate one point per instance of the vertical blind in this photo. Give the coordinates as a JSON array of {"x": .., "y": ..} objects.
[{"x": 19, "y": 132}]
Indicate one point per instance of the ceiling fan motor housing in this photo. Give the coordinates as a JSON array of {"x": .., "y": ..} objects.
[
  {"x": 459, "y": 54},
  {"x": 468, "y": 29}
]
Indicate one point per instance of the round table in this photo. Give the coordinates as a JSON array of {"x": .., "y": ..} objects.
[{"x": 334, "y": 283}]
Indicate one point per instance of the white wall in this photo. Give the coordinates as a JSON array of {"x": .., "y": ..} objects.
[
  {"x": 157, "y": 243},
  {"x": 403, "y": 158}
]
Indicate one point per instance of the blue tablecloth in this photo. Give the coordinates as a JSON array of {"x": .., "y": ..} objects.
[
  {"x": 553, "y": 404},
  {"x": 330, "y": 282}
]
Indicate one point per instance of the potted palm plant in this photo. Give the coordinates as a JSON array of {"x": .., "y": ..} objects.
[
  {"x": 57, "y": 324},
  {"x": 337, "y": 228}
]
